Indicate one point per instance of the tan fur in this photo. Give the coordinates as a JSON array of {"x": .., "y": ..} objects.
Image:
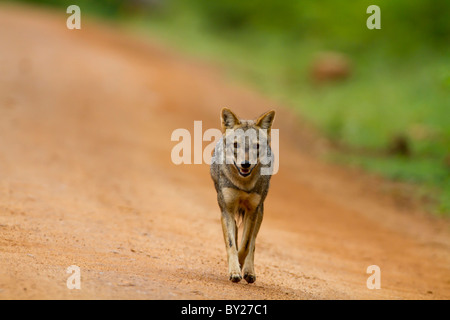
[
  {"x": 248, "y": 200},
  {"x": 240, "y": 200}
]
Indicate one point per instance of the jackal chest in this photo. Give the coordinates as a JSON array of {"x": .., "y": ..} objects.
[{"x": 235, "y": 199}]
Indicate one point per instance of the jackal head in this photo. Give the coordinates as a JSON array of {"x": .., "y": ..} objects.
[{"x": 246, "y": 141}]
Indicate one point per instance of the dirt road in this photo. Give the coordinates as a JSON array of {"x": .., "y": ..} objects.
[{"x": 86, "y": 179}]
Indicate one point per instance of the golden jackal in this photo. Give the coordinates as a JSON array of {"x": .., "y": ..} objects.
[{"x": 241, "y": 170}]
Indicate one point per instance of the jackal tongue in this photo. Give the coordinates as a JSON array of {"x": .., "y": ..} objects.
[{"x": 243, "y": 172}]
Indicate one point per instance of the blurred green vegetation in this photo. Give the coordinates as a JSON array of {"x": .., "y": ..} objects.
[{"x": 399, "y": 83}]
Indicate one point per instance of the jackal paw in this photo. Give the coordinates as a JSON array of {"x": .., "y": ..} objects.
[
  {"x": 249, "y": 277},
  {"x": 235, "y": 277}
]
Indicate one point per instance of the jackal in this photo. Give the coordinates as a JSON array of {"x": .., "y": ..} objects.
[{"x": 241, "y": 171}]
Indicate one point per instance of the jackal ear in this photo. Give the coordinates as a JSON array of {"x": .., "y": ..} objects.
[
  {"x": 265, "y": 120},
  {"x": 229, "y": 119}
]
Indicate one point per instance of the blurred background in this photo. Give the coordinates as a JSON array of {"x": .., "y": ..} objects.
[{"x": 382, "y": 97}]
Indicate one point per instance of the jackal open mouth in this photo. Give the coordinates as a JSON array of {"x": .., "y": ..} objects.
[{"x": 243, "y": 172}]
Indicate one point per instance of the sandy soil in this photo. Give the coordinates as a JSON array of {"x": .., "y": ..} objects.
[{"x": 86, "y": 179}]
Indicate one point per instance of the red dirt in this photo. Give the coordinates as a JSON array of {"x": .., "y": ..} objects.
[{"x": 86, "y": 179}]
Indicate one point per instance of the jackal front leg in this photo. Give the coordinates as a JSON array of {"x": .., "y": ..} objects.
[
  {"x": 252, "y": 223},
  {"x": 230, "y": 236}
]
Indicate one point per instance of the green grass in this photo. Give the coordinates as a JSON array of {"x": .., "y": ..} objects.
[{"x": 431, "y": 181}]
